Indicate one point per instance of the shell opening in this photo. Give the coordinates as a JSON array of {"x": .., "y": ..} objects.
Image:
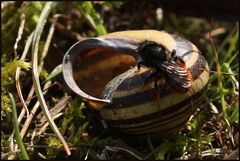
[{"x": 95, "y": 68}]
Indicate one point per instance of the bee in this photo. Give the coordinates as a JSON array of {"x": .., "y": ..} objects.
[{"x": 166, "y": 64}]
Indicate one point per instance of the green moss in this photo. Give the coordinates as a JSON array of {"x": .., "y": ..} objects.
[
  {"x": 8, "y": 71},
  {"x": 5, "y": 105}
]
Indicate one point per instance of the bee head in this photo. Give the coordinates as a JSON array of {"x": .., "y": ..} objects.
[{"x": 150, "y": 51}]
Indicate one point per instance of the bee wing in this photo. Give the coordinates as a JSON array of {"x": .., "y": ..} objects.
[{"x": 176, "y": 75}]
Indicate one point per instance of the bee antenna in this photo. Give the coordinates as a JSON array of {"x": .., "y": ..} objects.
[{"x": 173, "y": 54}]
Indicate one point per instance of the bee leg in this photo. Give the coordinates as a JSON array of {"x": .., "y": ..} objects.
[
  {"x": 157, "y": 93},
  {"x": 151, "y": 76},
  {"x": 173, "y": 54},
  {"x": 157, "y": 90},
  {"x": 139, "y": 64}
]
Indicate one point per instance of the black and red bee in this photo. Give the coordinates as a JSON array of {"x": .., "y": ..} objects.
[{"x": 166, "y": 64}]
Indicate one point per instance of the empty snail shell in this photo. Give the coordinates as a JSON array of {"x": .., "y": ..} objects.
[{"x": 103, "y": 72}]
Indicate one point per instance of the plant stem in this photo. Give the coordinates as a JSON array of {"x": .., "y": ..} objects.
[
  {"x": 16, "y": 127},
  {"x": 219, "y": 75}
]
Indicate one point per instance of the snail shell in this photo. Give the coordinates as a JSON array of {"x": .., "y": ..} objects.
[{"x": 103, "y": 72}]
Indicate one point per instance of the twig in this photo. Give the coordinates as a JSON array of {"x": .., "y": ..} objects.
[
  {"x": 5, "y": 155},
  {"x": 48, "y": 40},
  {"x": 18, "y": 70},
  {"x": 44, "y": 92},
  {"x": 26, "y": 48},
  {"x": 57, "y": 108},
  {"x": 86, "y": 156},
  {"x": 41, "y": 23},
  {"x": 32, "y": 137},
  {"x": 19, "y": 91},
  {"x": 43, "y": 128},
  {"x": 234, "y": 155},
  {"x": 20, "y": 32},
  {"x": 21, "y": 116},
  {"x": 211, "y": 152},
  {"x": 33, "y": 111},
  {"x": 16, "y": 127},
  {"x": 230, "y": 131}
]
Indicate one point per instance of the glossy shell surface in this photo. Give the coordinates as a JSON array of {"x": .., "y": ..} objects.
[{"x": 103, "y": 72}]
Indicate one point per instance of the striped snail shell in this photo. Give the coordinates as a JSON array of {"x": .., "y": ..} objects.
[{"x": 103, "y": 72}]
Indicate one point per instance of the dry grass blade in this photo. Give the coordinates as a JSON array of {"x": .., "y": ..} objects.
[
  {"x": 213, "y": 152},
  {"x": 42, "y": 20},
  {"x": 57, "y": 108},
  {"x": 20, "y": 32},
  {"x": 33, "y": 111},
  {"x": 48, "y": 41},
  {"x": 26, "y": 49},
  {"x": 234, "y": 155},
  {"x": 31, "y": 96},
  {"x": 44, "y": 127},
  {"x": 19, "y": 91},
  {"x": 18, "y": 86}
]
